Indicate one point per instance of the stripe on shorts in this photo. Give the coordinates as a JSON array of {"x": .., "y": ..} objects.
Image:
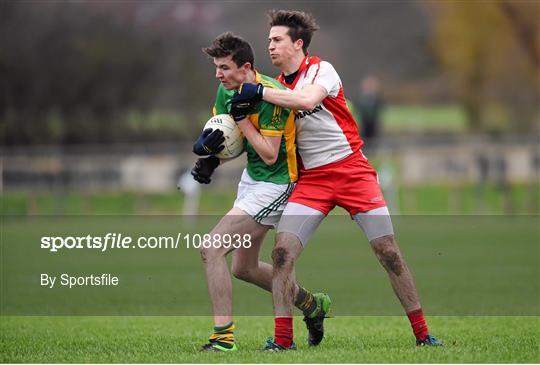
[{"x": 265, "y": 212}]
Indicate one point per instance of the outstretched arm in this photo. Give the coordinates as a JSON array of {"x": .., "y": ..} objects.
[{"x": 305, "y": 99}]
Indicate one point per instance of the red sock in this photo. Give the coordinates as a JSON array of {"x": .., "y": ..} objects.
[
  {"x": 418, "y": 324},
  {"x": 283, "y": 331}
]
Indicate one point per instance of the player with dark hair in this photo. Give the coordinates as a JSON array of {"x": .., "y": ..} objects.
[
  {"x": 263, "y": 190},
  {"x": 333, "y": 172}
]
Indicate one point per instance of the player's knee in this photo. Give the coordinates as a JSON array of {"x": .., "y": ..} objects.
[
  {"x": 384, "y": 243},
  {"x": 204, "y": 255},
  {"x": 384, "y": 247},
  {"x": 388, "y": 253},
  {"x": 280, "y": 257},
  {"x": 208, "y": 254},
  {"x": 242, "y": 273}
]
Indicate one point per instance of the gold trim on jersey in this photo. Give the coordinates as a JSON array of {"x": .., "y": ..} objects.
[
  {"x": 259, "y": 79},
  {"x": 289, "y": 132},
  {"x": 268, "y": 84},
  {"x": 271, "y": 132},
  {"x": 254, "y": 119},
  {"x": 290, "y": 146}
]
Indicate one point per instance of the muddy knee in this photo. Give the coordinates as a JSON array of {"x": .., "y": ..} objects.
[
  {"x": 388, "y": 254},
  {"x": 280, "y": 256}
]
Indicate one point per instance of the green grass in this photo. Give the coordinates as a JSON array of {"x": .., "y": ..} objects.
[
  {"x": 466, "y": 267},
  {"x": 469, "y": 199},
  {"x": 15, "y": 203},
  {"x": 429, "y": 199},
  {"x": 348, "y": 340},
  {"x": 414, "y": 119}
]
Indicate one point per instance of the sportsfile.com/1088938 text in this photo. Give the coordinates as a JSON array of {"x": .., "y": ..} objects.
[{"x": 122, "y": 241}]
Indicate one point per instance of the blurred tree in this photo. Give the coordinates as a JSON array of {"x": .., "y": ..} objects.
[
  {"x": 72, "y": 72},
  {"x": 486, "y": 48},
  {"x": 89, "y": 71},
  {"x": 524, "y": 23}
]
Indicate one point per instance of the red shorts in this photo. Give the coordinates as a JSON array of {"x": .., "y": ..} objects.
[{"x": 350, "y": 183}]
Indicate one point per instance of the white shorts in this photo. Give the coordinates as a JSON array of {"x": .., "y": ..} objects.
[{"x": 263, "y": 201}]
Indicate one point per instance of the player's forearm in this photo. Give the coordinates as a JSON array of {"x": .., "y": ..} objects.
[
  {"x": 261, "y": 145},
  {"x": 293, "y": 99}
]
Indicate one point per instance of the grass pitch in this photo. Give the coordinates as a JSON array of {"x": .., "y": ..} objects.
[
  {"x": 429, "y": 199},
  {"x": 348, "y": 340},
  {"x": 466, "y": 268}
]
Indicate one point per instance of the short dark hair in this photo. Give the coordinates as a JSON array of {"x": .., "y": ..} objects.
[
  {"x": 301, "y": 25},
  {"x": 227, "y": 44}
]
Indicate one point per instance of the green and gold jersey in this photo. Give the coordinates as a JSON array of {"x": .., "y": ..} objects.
[{"x": 269, "y": 120}]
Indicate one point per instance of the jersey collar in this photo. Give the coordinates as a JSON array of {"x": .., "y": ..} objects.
[
  {"x": 258, "y": 78},
  {"x": 303, "y": 65}
]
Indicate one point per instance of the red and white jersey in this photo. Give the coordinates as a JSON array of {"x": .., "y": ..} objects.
[{"x": 327, "y": 133}]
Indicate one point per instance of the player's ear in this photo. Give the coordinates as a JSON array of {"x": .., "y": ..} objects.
[
  {"x": 299, "y": 44},
  {"x": 247, "y": 67}
]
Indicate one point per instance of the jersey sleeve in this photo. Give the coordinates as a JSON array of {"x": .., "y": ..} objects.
[
  {"x": 325, "y": 75},
  {"x": 272, "y": 119}
]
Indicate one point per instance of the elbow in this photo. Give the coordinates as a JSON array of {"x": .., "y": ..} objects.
[
  {"x": 307, "y": 104},
  {"x": 270, "y": 160}
]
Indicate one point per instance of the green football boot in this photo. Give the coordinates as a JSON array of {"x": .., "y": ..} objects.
[
  {"x": 315, "y": 320},
  {"x": 215, "y": 347}
]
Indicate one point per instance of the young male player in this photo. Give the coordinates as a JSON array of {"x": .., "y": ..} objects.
[
  {"x": 333, "y": 172},
  {"x": 265, "y": 185}
]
